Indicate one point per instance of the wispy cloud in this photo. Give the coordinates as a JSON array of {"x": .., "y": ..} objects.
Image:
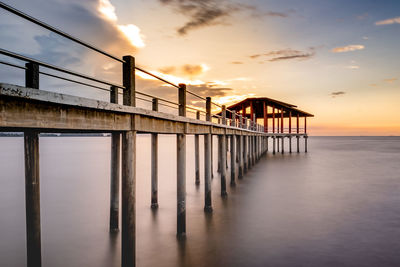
[
  {"x": 388, "y": 21},
  {"x": 352, "y": 67},
  {"x": 188, "y": 70},
  {"x": 347, "y": 48},
  {"x": 236, "y": 62},
  {"x": 203, "y": 13},
  {"x": 391, "y": 80},
  {"x": 286, "y": 54},
  {"x": 337, "y": 93}
]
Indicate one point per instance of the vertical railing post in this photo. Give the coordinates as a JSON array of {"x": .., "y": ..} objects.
[
  {"x": 240, "y": 149},
  {"x": 154, "y": 162},
  {"x": 223, "y": 155},
  {"x": 197, "y": 154},
  {"x": 32, "y": 181},
  {"x": 233, "y": 151},
  {"x": 115, "y": 169},
  {"x": 128, "y": 77},
  {"x": 181, "y": 167},
  {"x": 207, "y": 161}
]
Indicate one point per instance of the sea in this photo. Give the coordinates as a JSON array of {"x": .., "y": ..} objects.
[{"x": 337, "y": 205}]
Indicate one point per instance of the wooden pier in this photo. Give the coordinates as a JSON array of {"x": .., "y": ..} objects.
[{"x": 32, "y": 111}]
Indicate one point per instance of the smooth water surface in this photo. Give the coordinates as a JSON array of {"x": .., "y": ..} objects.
[{"x": 338, "y": 205}]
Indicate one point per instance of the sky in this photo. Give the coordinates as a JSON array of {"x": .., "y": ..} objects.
[{"x": 336, "y": 59}]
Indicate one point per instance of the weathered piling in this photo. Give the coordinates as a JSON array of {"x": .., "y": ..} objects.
[
  {"x": 181, "y": 167},
  {"x": 154, "y": 163},
  {"x": 273, "y": 145},
  {"x": 207, "y": 161},
  {"x": 115, "y": 170},
  {"x": 128, "y": 179},
  {"x": 245, "y": 148},
  {"x": 233, "y": 151},
  {"x": 305, "y": 143},
  {"x": 128, "y": 236},
  {"x": 197, "y": 154},
  {"x": 32, "y": 181},
  {"x": 298, "y": 144},
  {"x": 240, "y": 149},
  {"x": 283, "y": 144},
  {"x": 219, "y": 153},
  {"x": 223, "y": 156}
]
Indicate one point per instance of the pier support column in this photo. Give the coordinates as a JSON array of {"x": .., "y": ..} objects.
[
  {"x": 115, "y": 170},
  {"x": 273, "y": 145},
  {"x": 305, "y": 143},
  {"x": 181, "y": 167},
  {"x": 223, "y": 156},
  {"x": 298, "y": 144},
  {"x": 197, "y": 154},
  {"x": 283, "y": 144},
  {"x": 240, "y": 154},
  {"x": 233, "y": 151},
  {"x": 128, "y": 235},
  {"x": 245, "y": 166},
  {"x": 212, "y": 153},
  {"x": 32, "y": 199},
  {"x": 290, "y": 144},
  {"x": 154, "y": 163},
  {"x": 207, "y": 161},
  {"x": 32, "y": 181},
  {"x": 219, "y": 153}
]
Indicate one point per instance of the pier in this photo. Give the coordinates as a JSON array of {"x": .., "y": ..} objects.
[{"x": 30, "y": 110}]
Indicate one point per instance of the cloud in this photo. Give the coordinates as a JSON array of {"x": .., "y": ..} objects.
[
  {"x": 188, "y": 70},
  {"x": 347, "y": 48},
  {"x": 286, "y": 54},
  {"x": 352, "y": 67},
  {"x": 388, "y": 21},
  {"x": 255, "y": 56},
  {"x": 391, "y": 80},
  {"x": 236, "y": 62},
  {"x": 130, "y": 31},
  {"x": 338, "y": 93},
  {"x": 204, "y": 13},
  {"x": 168, "y": 70}
]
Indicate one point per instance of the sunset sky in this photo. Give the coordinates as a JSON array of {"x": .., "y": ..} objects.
[{"x": 336, "y": 59}]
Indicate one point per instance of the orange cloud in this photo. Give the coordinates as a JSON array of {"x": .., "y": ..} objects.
[
  {"x": 347, "y": 48},
  {"x": 388, "y": 21}
]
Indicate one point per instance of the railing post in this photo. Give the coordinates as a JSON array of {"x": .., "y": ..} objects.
[
  {"x": 196, "y": 154},
  {"x": 181, "y": 167},
  {"x": 32, "y": 181},
  {"x": 207, "y": 161},
  {"x": 154, "y": 162},
  {"x": 128, "y": 77},
  {"x": 233, "y": 151},
  {"x": 115, "y": 169},
  {"x": 240, "y": 149},
  {"x": 223, "y": 155}
]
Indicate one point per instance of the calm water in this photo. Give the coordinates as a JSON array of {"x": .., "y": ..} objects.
[{"x": 338, "y": 205}]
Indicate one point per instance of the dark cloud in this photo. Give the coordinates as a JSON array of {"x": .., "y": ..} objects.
[
  {"x": 202, "y": 13},
  {"x": 286, "y": 54},
  {"x": 290, "y": 54},
  {"x": 338, "y": 93}
]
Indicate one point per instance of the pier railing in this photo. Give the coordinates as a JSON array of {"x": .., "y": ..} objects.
[{"x": 127, "y": 89}]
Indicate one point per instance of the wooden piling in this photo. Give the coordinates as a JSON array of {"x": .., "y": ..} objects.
[
  {"x": 181, "y": 167},
  {"x": 32, "y": 181},
  {"x": 154, "y": 162},
  {"x": 207, "y": 161},
  {"x": 128, "y": 235},
  {"x": 223, "y": 156},
  {"x": 240, "y": 149},
  {"x": 283, "y": 144},
  {"x": 233, "y": 151},
  {"x": 298, "y": 144},
  {"x": 305, "y": 143},
  {"x": 197, "y": 154},
  {"x": 115, "y": 170},
  {"x": 273, "y": 145}
]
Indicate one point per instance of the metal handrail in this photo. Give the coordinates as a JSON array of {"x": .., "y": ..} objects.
[
  {"x": 55, "y": 30},
  {"x": 46, "y": 65}
]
